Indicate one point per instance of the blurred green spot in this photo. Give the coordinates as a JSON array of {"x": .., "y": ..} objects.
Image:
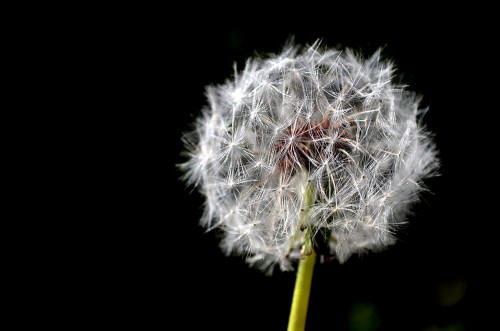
[
  {"x": 451, "y": 292},
  {"x": 363, "y": 316}
]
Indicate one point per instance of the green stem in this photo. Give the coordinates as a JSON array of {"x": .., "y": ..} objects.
[{"x": 300, "y": 301}]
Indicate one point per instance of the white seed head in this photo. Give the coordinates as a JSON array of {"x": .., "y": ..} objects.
[{"x": 308, "y": 149}]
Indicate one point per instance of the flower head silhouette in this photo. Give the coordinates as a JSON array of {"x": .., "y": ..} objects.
[{"x": 308, "y": 149}]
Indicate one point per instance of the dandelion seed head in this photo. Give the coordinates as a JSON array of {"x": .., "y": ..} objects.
[{"x": 306, "y": 146}]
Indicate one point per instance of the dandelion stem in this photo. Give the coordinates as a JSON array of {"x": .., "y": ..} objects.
[{"x": 300, "y": 301}]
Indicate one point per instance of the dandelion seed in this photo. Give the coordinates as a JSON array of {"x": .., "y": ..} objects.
[{"x": 309, "y": 147}]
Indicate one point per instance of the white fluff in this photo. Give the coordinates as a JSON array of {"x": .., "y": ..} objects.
[{"x": 324, "y": 122}]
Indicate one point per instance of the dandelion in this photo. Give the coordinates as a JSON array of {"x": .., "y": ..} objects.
[{"x": 308, "y": 152}]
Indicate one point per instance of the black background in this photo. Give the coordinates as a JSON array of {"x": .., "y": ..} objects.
[{"x": 171, "y": 271}]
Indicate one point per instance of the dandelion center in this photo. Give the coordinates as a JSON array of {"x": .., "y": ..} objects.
[{"x": 307, "y": 145}]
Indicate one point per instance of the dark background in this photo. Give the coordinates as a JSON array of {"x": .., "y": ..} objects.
[{"x": 432, "y": 279}]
